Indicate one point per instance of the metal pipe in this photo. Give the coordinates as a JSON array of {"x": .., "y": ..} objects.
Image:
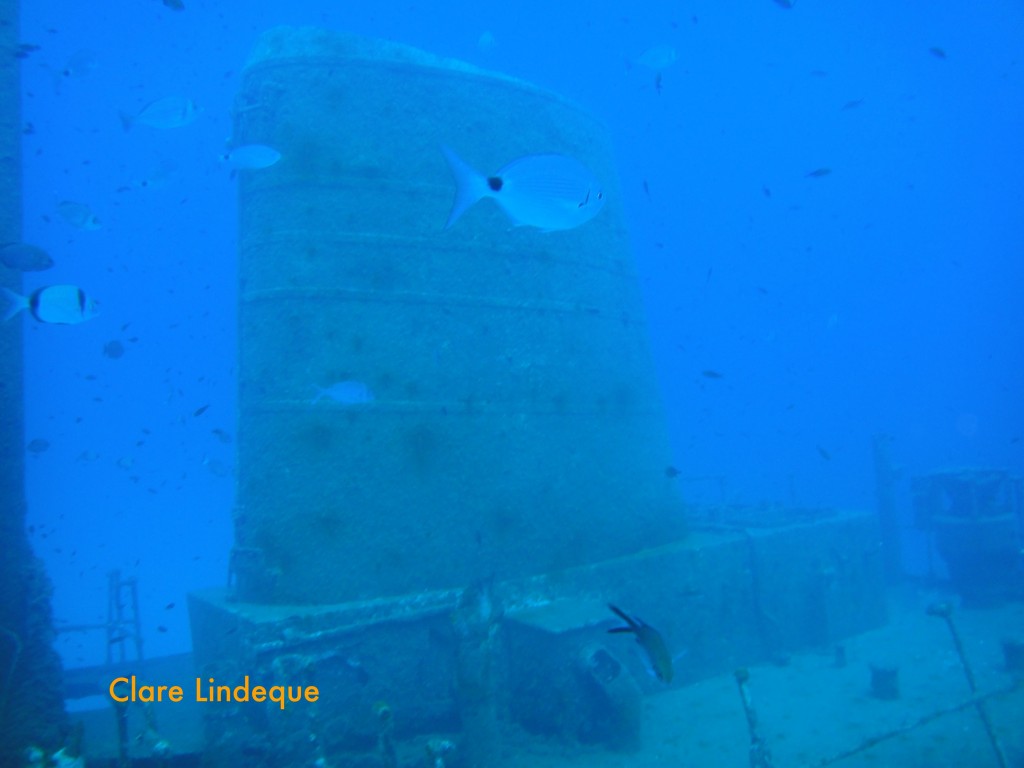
[
  {"x": 923, "y": 720},
  {"x": 945, "y": 611},
  {"x": 760, "y": 755}
]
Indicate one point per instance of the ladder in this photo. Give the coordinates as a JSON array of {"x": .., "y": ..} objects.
[{"x": 123, "y": 617}]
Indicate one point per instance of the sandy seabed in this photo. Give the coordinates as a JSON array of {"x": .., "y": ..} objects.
[{"x": 812, "y": 712}]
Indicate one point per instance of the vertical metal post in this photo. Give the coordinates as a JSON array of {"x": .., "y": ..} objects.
[
  {"x": 885, "y": 494},
  {"x": 133, "y": 586},
  {"x": 111, "y": 630},
  {"x": 32, "y": 711}
]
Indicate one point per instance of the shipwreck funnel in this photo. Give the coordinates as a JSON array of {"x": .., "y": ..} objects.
[{"x": 510, "y": 423}]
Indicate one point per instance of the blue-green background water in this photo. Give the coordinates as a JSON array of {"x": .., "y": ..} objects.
[{"x": 884, "y": 297}]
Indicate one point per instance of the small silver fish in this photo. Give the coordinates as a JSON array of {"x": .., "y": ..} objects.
[
  {"x": 166, "y": 113},
  {"x": 79, "y": 64},
  {"x": 58, "y": 304},
  {"x": 78, "y": 215},
  {"x": 345, "y": 393},
  {"x": 216, "y": 467},
  {"x": 658, "y": 57},
  {"x": 550, "y": 192},
  {"x": 24, "y": 257},
  {"x": 158, "y": 178},
  {"x": 250, "y": 157},
  {"x": 486, "y": 41}
]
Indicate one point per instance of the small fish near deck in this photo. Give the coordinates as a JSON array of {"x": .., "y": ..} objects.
[{"x": 650, "y": 640}]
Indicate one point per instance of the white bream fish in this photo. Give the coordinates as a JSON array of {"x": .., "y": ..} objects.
[
  {"x": 59, "y": 304},
  {"x": 549, "y": 192},
  {"x": 250, "y": 157},
  {"x": 344, "y": 393},
  {"x": 158, "y": 178},
  {"x": 168, "y": 112},
  {"x": 78, "y": 215},
  {"x": 80, "y": 64}
]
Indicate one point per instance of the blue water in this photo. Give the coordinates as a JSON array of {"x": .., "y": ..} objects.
[{"x": 883, "y": 297}]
